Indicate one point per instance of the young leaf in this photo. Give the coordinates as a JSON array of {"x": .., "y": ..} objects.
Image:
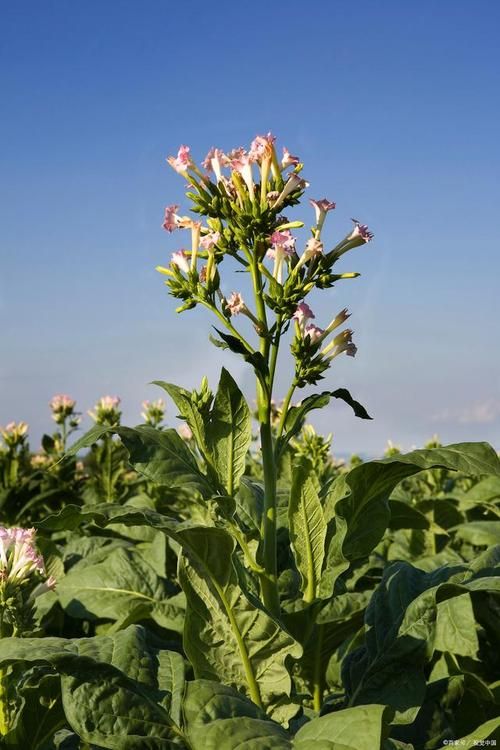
[
  {"x": 307, "y": 529},
  {"x": 230, "y": 432}
]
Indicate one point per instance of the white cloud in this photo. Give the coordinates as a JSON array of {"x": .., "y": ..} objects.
[{"x": 481, "y": 412}]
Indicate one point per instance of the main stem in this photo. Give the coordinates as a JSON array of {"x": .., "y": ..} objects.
[{"x": 269, "y": 581}]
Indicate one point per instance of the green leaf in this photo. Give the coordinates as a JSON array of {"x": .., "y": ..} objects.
[
  {"x": 114, "y": 587},
  {"x": 357, "y": 505},
  {"x": 254, "y": 358},
  {"x": 189, "y": 413},
  {"x": 217, "y": 717},
  {"x": 490, "y": 730},
  {"x": 478, "y": 533},
  {"x": 230, "y": 432},
  {"x": 171, "y": 678},
  {"x": 227, "y": 636},
  {"x": 107, "y": 709},
  {"x": 307, "y": 529},
  {"x": 456, "y": 627},
  {"x": 358, "y": 728}
]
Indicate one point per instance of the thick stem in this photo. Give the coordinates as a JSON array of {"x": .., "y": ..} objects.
[
  {"x": 108, "y": 468},
  {"x": 318, "y": 676},
  {"x": 270, "y": 581}
]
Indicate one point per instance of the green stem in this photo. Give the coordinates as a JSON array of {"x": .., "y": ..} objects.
[
  {"x": 285, "y": 407},
  {"x": 268, "y": 531},
  {"x": 269, "y": 581},
  {"x": 317, "y": 675},
  {"x": 108, "y": 468},
  {"x": 274, "y": 352}
]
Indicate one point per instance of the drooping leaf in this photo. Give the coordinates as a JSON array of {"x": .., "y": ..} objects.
[
  {"x": 297, "y": 414},
  {"x": 307, "y": 529}
]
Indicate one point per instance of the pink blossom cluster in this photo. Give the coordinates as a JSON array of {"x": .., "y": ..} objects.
[
  {"x": 14, "y": 433},
  {"x": 316, "y": 335},
  {"x": 153, "y": 412},
  {"x": 19, "y": 559},
  {"x": 62, "y": 406},
  {"x": 106, "y": 410}
]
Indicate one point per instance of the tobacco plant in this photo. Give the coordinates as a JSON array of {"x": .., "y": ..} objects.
[{"x": 253, "y": 593}]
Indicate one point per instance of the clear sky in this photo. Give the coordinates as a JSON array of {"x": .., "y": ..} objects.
[{"x": 394, "y": 108}]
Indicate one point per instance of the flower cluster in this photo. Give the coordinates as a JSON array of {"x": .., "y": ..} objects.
[
  {"x": 22, "y": 578},
  {"x": 63, "y": 408},
  {"x": 311, "y": 351},
  {"x": 106, "y": 411},
  {"x": 153, "y": 412},
  {"x": 14, "y": 434},
  {"x": 241, "y": 196}
]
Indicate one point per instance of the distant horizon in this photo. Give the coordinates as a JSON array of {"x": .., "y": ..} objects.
[{"x": 389, "y": 107}]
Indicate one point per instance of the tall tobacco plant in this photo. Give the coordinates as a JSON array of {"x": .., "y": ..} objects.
[{"x": 241, "y": 199}]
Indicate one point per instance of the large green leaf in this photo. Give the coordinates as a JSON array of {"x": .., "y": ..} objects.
[
  {"x": 106, "y": 708},
  {"x": 110, "y": 690},
  {"x": 490, "y": 730},
  {"x": 357, "y": 504},
  {"x": 358, "y": 728},
  {"x": 218, "y": 717},
  {"x": 307, "y": 529},
  {"x": 115, "y": 586},
  {"x": 230, "y": 432},
  {"x": 408, "y": 619},
  {"x": 227, "y": 636}
]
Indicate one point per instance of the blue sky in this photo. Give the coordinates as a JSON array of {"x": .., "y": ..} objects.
[{"x": 392, "y": 106}]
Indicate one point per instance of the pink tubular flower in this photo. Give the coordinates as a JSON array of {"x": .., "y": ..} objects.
[
  {"x": 288, "y": 159},
  {"x": 314, "y": 332},
  {"x": 302, "y": 314},
  {"x": 208, "y": 241},
  {"x": 321, "y": 208},
  {"x": 241, "y": 163},
  {"x": 170, "y": 221},
  {"x": 337, "y": 321},
  {"x": 261, "y": 146},
  {"x": 180, "y": 259},
  {"x": 214, "y": 161},
  {"x": 282, "y": 242},
  {"x": 360, "y": 232},
  {"x": 294, "y": 182},
  {"x": 235, "y": 304},
  {"x": 182, "y": 161},
  {"x": 313, "y": 247}
]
